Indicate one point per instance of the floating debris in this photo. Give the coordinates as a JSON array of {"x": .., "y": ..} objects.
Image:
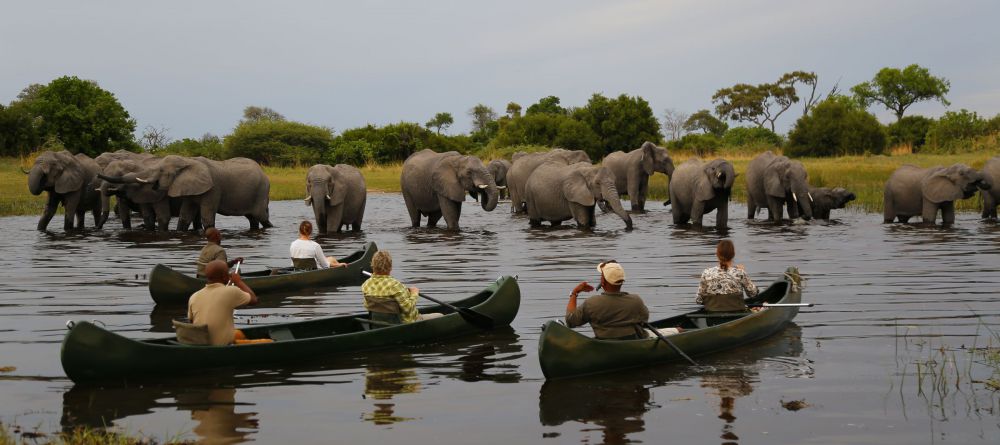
[{"x": 794, "y": 405}]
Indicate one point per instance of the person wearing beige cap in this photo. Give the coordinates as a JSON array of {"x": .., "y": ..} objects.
[{"x": 614, "y": 315}]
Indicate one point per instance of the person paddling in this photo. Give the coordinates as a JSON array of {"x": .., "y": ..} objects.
[
  {"x": 722, "y": 287},
  {"x": 213, "y": 305},
  {"x": 213, "y": 251},
  {"x": 386, "y": 298}
]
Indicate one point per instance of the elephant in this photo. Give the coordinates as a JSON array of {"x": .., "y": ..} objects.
[
  {"x": 104, "y": 160},
  {"x": 633, "y": 169},
  {"x": 499, "y": 168},
  {"x": 69, "y": 179},
  {"x": 991, "y": 197},
  {"x": 522, "y": 164},
  {"x": 698, "y": 187},
  {"x": 825, "y": 199},
  {"x": 434, "y": 185},
  {"x": 774, "y": 181},
  {"x": 155, "y": 206},
  {"x": 912, "y": 190},
  {"x": 557, "y": 192},
  {"x": 337, "y": 196},
  {"x": 234, "y": 187}
]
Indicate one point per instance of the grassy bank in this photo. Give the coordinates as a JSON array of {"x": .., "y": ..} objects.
[
  {"x": 17, "y": 435},
  {"x": 864, "y": 175}
]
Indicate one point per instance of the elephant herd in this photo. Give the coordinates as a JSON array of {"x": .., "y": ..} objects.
[{"x": 553, "y": 186}]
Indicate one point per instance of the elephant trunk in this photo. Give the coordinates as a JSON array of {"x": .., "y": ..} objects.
[
  {"x": 614, "y": 201},
  {"x": 117, "y": 179},
  {"x": 318, "y": 199},
  {"x": 36, "y": 181},
  {"x": 492, "y": 196},
  {"x": 804, "y": 200}
]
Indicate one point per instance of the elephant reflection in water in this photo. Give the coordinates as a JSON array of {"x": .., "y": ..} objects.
[{"x": 381, "y": 385}]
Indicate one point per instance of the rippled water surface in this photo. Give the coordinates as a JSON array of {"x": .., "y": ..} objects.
[{"x": 896, "y": 304}]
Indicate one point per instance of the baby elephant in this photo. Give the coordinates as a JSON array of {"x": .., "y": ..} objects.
[
  {"x": 825, "y": 199},
  {"x": 912, "y": 191},
  {"x": 557, "y": 192}
]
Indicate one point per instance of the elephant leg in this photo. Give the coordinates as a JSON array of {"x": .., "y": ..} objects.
[
  {"x": 69, "y": 212},
  {"x": 888, "y": 207},
  {"x": 581, "y": 216},
  {"x": 989, "y": 205},
  {"x": 903, "y": 219},
  {"x": 722, "y": 215},
  {"x": 774, "y": 209},
  {"x": 50, "y": 210},
  {"x": 124, "y": 214},
  {"x": 451, "y": 211},
  {"x": 207, "y": 216},
  {"x": 254, "y": 223},
  {"x": 793, "y": 209},
  {"x": 412, "y": 210},
  {"x": 334, "y": 217},
  {"x": 697, "y": 212},
  {"x": 680, "y": 217},
  {"x": 633, "y": 195},
  {"x": 751, "y": 207},
  {"x": 433, "y": 218},
  {"x": 948, "y": 212},
  {"x": 161, "y": 216},
  {"x": 641, "y": 193},
  {"x": 929, "y": 212},
  {"x": 534, "y": 222},
  {"x": 188, "y": 213}
]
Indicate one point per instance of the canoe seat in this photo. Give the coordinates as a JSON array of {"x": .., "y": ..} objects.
[
  {"x": 281, "y": 334},
  {"x": 304, "y": 263},
  {"x": 191, "y": 334},
  {"x": 368, "y": 324}
]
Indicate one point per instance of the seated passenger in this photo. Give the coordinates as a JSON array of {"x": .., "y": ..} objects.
[
  {"x": 213, "y": 305},
  {"x": 307, "y": 254},
  {"x": 388, "y": 299},
  {"x": 614, "y": 315},
  {"x": 722, "y": 287},
  {"x": 213, "y": 251}
]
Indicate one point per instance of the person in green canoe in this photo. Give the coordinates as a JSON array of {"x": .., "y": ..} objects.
[
  {"x": 213, "y": 251},
  {"x": 614, "y": 314},
  {"x": 386, "y": 298},
  {"x": 721, "y": 288},
  {"x": 213, "y": 305}
]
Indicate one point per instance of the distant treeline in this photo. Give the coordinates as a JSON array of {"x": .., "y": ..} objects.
[{"x": 80, "y": 116}]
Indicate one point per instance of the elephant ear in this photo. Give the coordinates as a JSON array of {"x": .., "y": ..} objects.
[
  {"x": 193, "y": 179},
  {"x": 71, "y": 177},
  {"x": 703, "y": 186},
  {"x": 338, "y": 189},
  {"x": 939, "y": 187},
  {"x": 575, "y": 189},
  {"x": 444, "y": 180},
  {"x": 647, "y": 158},
  {"x": 772, "y": 179}
]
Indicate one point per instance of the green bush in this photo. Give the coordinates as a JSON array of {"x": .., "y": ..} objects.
[
  {"x": 550, "y": 130},
  {"x": 622, "y": 123},
  {"x": 954, "y": 130},
  {"x": 276, "y": 142},
  {"x": 835, "y": 127},
  {"x": 910, "y": 130},
  {"x": 740, "y": 136},
  {"x": 392, "y": 143},
  {"x": 356, "y": 152},
  {"x": 700, "y": 144},
  {"x": 208, "y": 146}
]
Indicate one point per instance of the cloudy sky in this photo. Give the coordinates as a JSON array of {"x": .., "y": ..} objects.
[{"x": 192, "y": 66}]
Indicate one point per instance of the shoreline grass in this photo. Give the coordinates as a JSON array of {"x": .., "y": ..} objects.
[{"x": 863, "y": 175}]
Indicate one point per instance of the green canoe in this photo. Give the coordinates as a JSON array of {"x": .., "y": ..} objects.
[
  {"x": 564, "y": 352},
  {"x": 169, "y": 287},
  {"x": 91, "y": 353}
]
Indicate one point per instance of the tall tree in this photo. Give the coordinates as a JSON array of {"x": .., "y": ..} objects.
[
  {"x": 623, "y": 123},
  {"x": 898, "y": 89},
  {"x": 440, "y": 122},
  {"x": 513, "y": 110},
  {"x": 708, "y": 124},
  {"x": 85, "y": 117},
  {"x": 154, "y": 138},
  {"x": 760, "y": 104},
  {"x": 809, "y": 79},
  {"x": 482, "y": 116},
  {"x": 254, "y": 113},
  {"x": 673, "y": 123},
  {"x": 547, "y": 104}
]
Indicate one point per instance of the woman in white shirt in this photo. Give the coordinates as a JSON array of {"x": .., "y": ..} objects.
[{"x": 307, "y": 254}]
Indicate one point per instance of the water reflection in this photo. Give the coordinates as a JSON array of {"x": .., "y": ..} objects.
[
  {"x": 213, "y": 409},
  {"x": 381, "y": 385},
  {"x": 617, "y": 403}
]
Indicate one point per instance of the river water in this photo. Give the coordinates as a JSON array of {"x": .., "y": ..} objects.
[{"x": 887, "y": 356}]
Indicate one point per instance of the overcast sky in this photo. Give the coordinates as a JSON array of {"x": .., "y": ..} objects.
[{"x": 192, "y": 66}]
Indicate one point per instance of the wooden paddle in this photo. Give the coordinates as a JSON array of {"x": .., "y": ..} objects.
[
  {"x": 480, "y": 320},
  {"x": 781, "y": 305},
  {"x": 668, "y": 342}
]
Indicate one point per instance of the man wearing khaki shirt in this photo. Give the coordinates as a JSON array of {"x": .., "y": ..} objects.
[{"x": 614, "y": 315}]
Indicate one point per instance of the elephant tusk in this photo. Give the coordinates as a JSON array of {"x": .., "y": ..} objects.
[
  {"x": 719, "y": 174},
  {"x": 810, "y": 196},
  {"x": 501, "y": 187},
  {"x": 308, "y": 198},
  {"x": 328, "y": 198},
  {"x": 142, "y": 180},
  {"x": 482, "y": 186},
  {"x": 796, "y": 198}
]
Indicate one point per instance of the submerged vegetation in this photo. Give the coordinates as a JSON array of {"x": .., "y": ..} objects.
[{"x": 17, "y": 435}]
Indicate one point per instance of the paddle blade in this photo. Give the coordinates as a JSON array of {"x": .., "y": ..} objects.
[{"x": 476, "y": 318}]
